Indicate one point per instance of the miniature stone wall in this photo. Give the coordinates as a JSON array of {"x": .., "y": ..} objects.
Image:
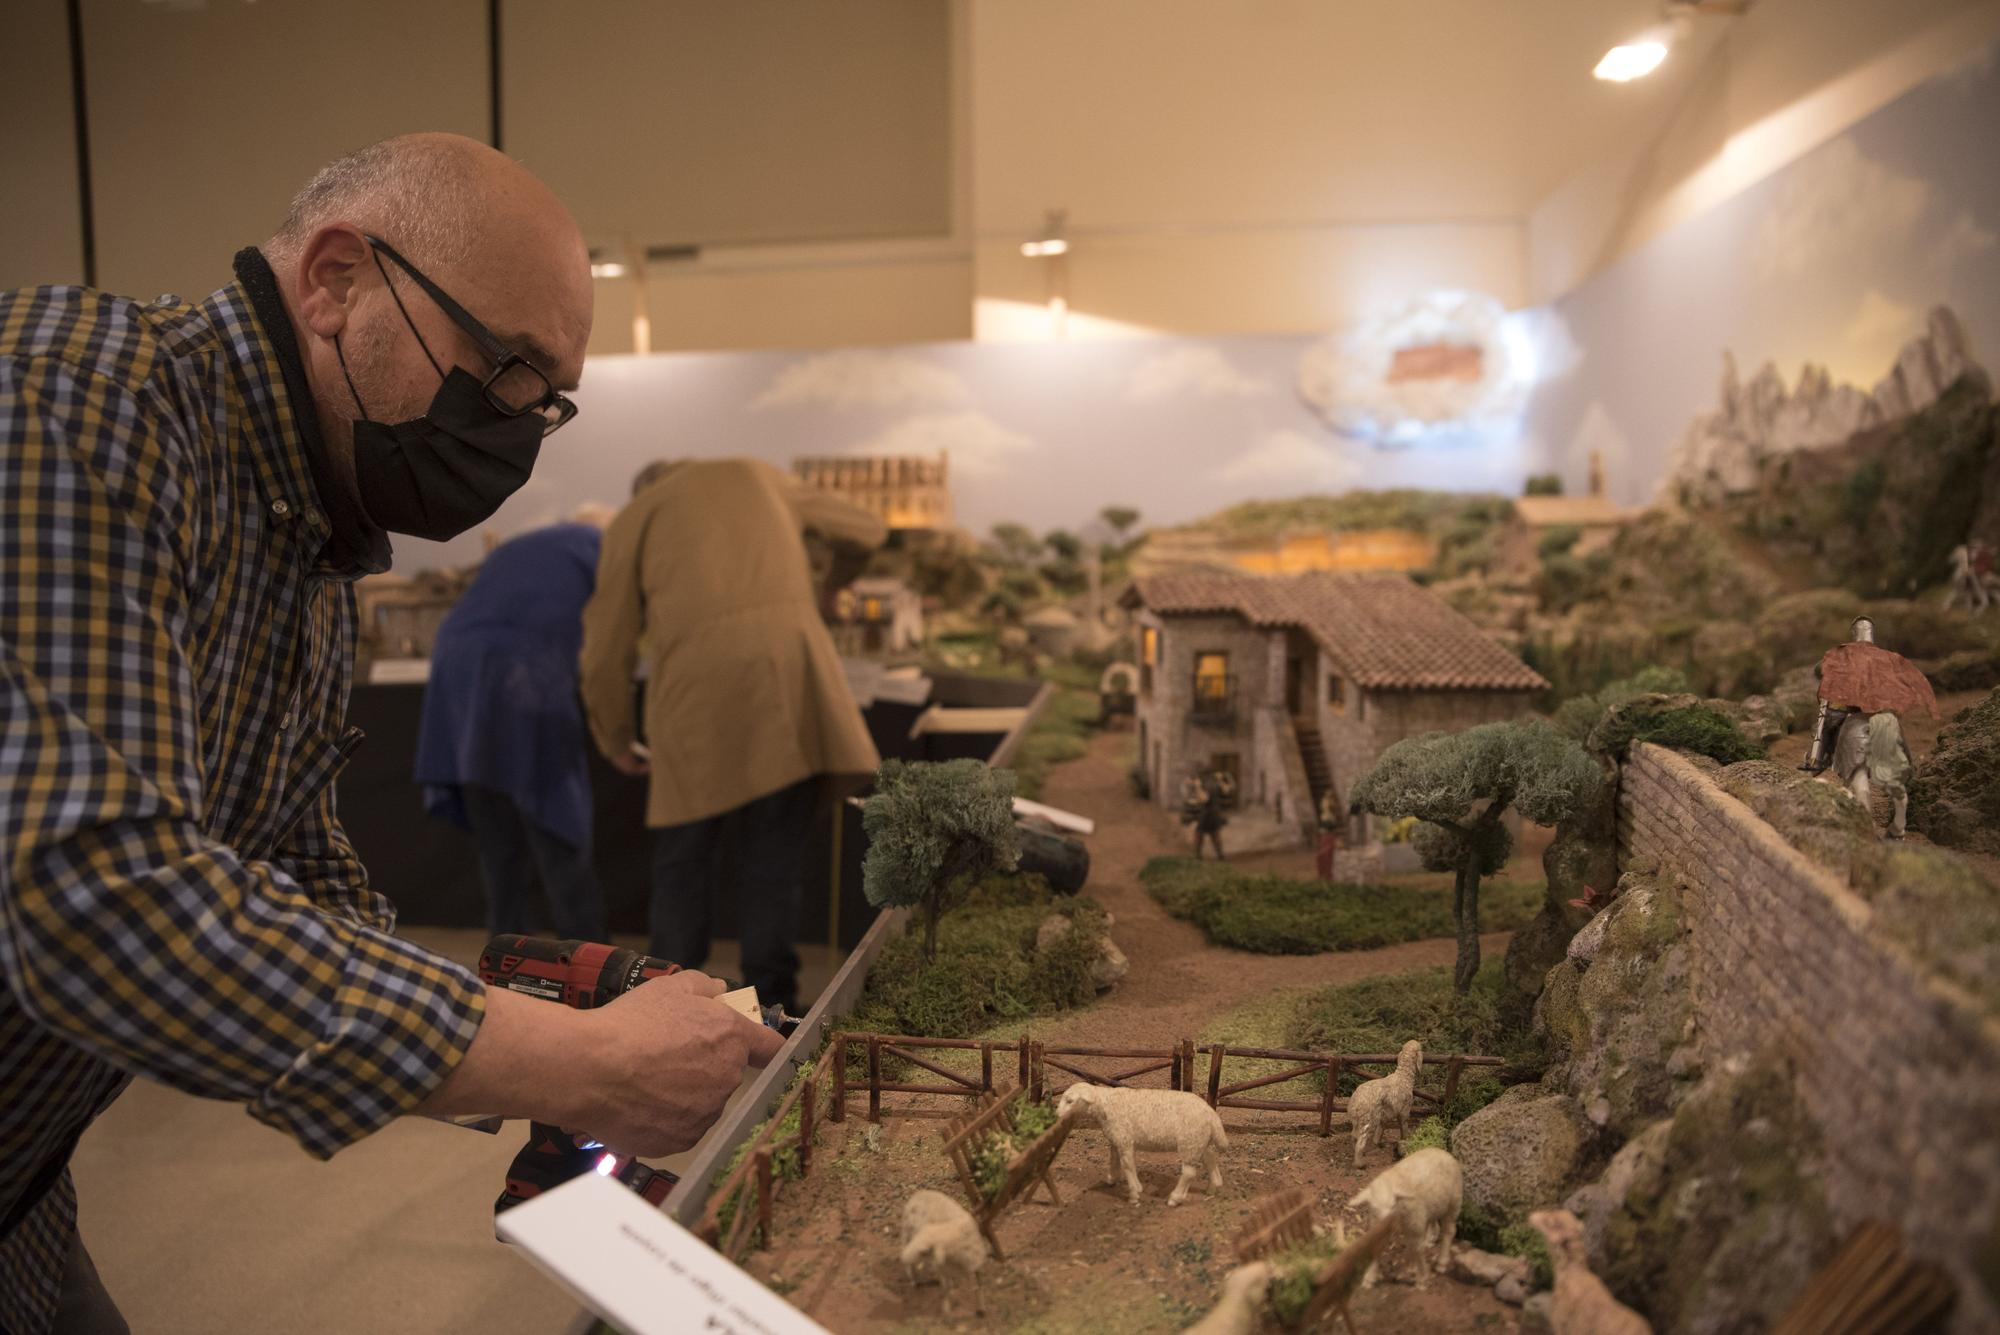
[{"x": 1900, "y": 1070}]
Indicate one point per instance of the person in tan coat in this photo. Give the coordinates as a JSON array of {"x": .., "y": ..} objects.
[{"x": 746, "y": 704}]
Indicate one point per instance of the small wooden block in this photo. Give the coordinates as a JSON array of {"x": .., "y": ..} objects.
[{"x": 744, "y": 1002}]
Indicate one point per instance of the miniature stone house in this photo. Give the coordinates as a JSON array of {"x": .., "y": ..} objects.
[
  {"x": 1295, "y": 685},
  {"x": 881, "y": 616}
]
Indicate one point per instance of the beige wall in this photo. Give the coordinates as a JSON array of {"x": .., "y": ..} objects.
[
  {"x": 41, "y": 240},
  {"x": 204, "y": 120},
  {"x": 1784, "y": 79}
]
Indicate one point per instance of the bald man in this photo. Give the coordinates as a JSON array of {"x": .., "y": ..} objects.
[{"x": 187, "y": 492}]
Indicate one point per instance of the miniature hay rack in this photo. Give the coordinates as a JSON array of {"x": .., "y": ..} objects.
[
  {"x": 1027, "y": 1167},
  {"x": 1279, "y": 1222},
  {"x": 1335, "y": 1282}
]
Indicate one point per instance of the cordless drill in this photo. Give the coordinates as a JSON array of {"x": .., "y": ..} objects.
[{"x": 585, "y": 975}]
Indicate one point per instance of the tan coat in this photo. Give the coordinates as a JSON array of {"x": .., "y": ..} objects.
[{"x": 745, "y": 694}]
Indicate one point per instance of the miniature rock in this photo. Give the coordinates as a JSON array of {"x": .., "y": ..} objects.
[
  {"x": 1512, "y": 1290},
  {"x": 1636, "y": 1166},
  {"x": 1520, "y": 1151},
  {"x": 1584, "y": 945},
  {"x": 1537, "y": 1315},
  {"x": 1470, "y": 1265},
  {"x": 1110, "y": 964}
]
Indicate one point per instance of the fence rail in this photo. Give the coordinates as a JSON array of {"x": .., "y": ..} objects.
[{"x": 1035, "y": 1059}]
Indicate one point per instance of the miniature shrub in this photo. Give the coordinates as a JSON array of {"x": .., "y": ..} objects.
[
  {"x": 1429, "y": 1134},
  {"x": 1677, "y": 722},
  {"x": 1525, "y": 1241},
  {"x": 1821, "y": 820},
  {"x": 987, "y": 968},
  {"x": 1939, "y": 906},
  {"x": 1477, "y": 1228},
  {"x": 991, "y": 1154},
  {"x": 1578, "y": 715},
  {"x": 1274, "y": 915},
  {"x": 1381, "y": 1014},
  {"x": 785, "y": 1163},
  {"x": 1955, "y": 795},
  {"x": 1966, "y": 670},
  {"x": 1543, "y": 484}
]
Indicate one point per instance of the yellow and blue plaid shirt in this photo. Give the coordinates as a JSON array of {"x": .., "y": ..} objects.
[{"x": 177, "y": 898}]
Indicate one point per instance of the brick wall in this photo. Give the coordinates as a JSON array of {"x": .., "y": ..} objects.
[{"x": 1900, "y": 1071}]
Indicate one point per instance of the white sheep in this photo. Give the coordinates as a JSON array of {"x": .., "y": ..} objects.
[
  {"x": 1376, "y": 1103},
  {"x": 1423, "y": 1193},
  {"x": 1245, "y": 1290},
  {"x": 940, "y": 1237},
  {"x": 1151, "y": 1119}
]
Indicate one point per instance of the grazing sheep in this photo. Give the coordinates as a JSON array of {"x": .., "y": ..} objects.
[
  {"x": 1378, "y": 1102},
  {"x": 1423, "y": 1194},
  {"x": 939, "y": 1237},
  {"x": 1245, "y": 1290},
  {"x": 1583, "y": 1306},
  {"x": 1151, "y": 1119}
]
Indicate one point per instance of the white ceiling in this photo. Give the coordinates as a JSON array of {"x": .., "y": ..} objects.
[{"x": 1144, "y": 113}]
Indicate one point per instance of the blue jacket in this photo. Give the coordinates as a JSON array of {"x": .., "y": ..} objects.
[{"x": 501, "y": 710}]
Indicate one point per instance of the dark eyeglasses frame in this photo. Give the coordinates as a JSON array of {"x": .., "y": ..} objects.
[{"x": 504, "y": 358}]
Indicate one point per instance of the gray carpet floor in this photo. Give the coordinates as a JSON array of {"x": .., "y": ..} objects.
[{"x": 203, "y": 1221}]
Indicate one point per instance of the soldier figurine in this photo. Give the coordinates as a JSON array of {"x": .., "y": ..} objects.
[{"x": 1863, "y": 691}]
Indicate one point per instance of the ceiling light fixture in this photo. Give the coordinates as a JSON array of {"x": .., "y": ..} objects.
[
  {"x": 1647, "y": 51},
  {"x": 608, "y": 269}
]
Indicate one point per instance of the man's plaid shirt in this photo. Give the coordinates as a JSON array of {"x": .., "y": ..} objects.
[{"x": 177, "y": 898}]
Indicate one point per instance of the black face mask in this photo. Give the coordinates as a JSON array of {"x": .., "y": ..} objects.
[{"x": 437, "y": 475}]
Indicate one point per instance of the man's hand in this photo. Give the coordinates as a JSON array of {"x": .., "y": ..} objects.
[
  {"x": 671, "y": 1056},
  {"x": 647, "y": 1074},
  {"x": 633, "y": 760}
]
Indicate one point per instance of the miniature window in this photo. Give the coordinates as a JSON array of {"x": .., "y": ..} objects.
[
  {"x": 1336, "y": 694},
  {"x": 872, "y": 608},
  {"x": 1211, "y": 676},
  {"x": 1149, "y": 646}
]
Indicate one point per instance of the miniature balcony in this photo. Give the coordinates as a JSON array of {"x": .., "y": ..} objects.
[{"x": 1213, "y": 702}]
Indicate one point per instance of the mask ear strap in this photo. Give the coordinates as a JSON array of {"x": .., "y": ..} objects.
[
  {"x": 341, "y": 353},
  {"x": 397, "y": 298}
]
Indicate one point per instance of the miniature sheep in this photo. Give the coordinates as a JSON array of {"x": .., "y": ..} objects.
[
  {"x": 939, "y": 1237},
  {"x": 1152, "y": 1119},
  {"x": 1583, "y": 1306},
  {"x": 1244, "y": 1293},
  {"x": 1423, "y": 1193},
  {"x": 1375, "y": 1103}
]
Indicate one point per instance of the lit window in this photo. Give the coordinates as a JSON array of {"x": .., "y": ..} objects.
[
  {"x": 1211, "y": 676},
  {"x": 1149, "y": 647}
]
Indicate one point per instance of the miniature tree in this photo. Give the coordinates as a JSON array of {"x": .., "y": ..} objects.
[
  {"x": 1120, "y": 517},
  {"x": 931, "y": 827},
  {"x": 1442, "y": 777}
]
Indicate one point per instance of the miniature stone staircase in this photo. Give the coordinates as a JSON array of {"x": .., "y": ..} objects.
[{"x": 1319, "y": 774}]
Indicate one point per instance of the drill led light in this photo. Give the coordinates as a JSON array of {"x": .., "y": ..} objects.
[{"x": 607, "y": 1165}]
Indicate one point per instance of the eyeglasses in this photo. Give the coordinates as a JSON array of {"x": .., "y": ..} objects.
[{"x": 515, "y": 385}]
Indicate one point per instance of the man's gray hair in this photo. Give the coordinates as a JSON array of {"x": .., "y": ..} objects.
[{"x": 415, "y": 191}]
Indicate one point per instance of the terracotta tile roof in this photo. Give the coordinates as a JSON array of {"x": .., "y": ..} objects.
[{"x": 1382, "y": 630}]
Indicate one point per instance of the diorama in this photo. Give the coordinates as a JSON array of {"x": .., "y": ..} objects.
[{"x": 1570, "y": 902}]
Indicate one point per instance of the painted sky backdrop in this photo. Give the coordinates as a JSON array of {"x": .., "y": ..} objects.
[{"x": 1835, "y": 259}]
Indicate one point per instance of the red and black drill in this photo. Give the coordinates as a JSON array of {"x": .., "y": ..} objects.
[{"x": 583, "y": 974}]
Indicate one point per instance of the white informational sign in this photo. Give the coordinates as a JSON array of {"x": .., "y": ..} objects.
[{"x": 639, "y": 1270}]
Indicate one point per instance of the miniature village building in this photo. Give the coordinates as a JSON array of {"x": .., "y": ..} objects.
[
  {"x": 879, "y": 616},
  {"x": 907, "y": 494},
  {"x": 1295, "y": 685}
]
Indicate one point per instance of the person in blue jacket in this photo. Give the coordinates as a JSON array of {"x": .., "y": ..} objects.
[{"x": 502, "y": 749}]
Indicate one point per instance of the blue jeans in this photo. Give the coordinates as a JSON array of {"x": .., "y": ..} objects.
[
  {"x": 512, "y": 849},
  {"x": 768, "y": 859}
]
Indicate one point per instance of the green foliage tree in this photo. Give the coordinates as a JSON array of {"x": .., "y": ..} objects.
[
  {"x": 1017, "y": 542},
  {"x": 1544, "y": 484},
  {"x": 1441, "y": 778},
  {"x": 933, "y": 827},
  {"x": 1121, "y": 518}
]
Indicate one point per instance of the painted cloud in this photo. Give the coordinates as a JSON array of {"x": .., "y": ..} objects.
[
  {"x": 978, "y": 445},
  {"x": 1191, "y": 371},
  {"x": 1293, "y": 460},
  {"x": 864, "y": 379}
]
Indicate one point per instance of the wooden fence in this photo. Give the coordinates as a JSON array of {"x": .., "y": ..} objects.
[
  {"x": 755, "y": 1177},
  {"x": 1033, "y": 1060}
]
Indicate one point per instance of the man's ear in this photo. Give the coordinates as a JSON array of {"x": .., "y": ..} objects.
[{"x": 331, "y": 272}]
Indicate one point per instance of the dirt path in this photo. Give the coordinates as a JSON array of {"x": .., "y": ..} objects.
[
  {"x": 1178, "y": 982},
  {"x": 1097, "y": 1263}
]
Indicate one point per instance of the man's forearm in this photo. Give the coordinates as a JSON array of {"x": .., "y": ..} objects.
[{"x": 529, "y": 1059}]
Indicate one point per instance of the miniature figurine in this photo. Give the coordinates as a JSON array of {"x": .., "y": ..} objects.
[
  {"x": 1863, "y": 691},
  {"x": 1201, "y": 807},
  {"x": 1151, "y": 1119},
  {"x": 1245, "y": 1290},
  {"x": 1331, "y": 818},
  {"x": 1583, "y": 1306},
  {"x": 1971, "y": 569},
  {"x": 1423, "y": 1193},
  {"x": 940, "y": 1237},
  {"x": 1375, "y": 1103}
]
